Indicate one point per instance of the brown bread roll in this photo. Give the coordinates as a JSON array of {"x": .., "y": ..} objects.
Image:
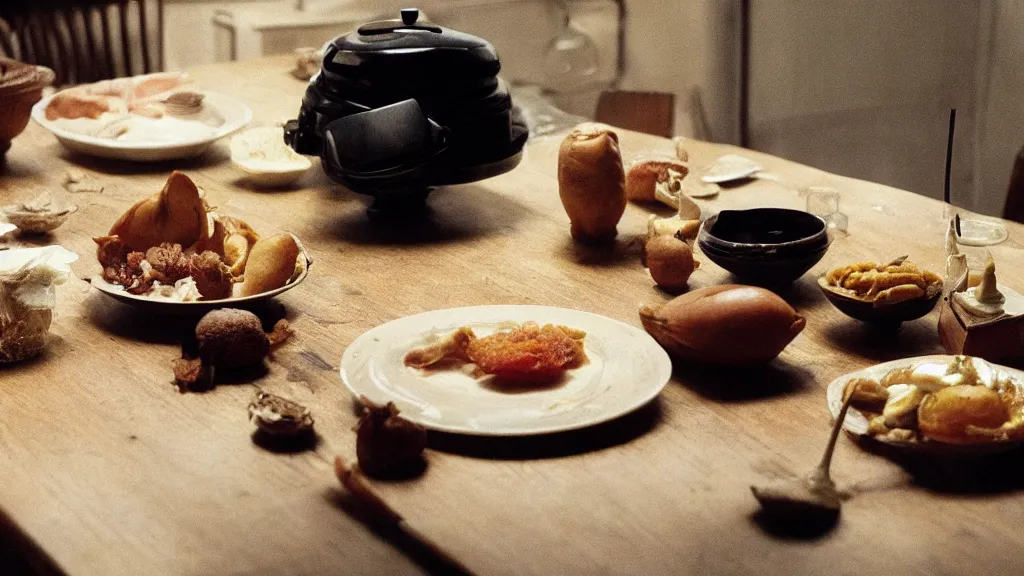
[{"x": 270, "y": 265}]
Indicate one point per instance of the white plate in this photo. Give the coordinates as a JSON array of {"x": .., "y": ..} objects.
[
  {"x": 627, "y": 369},
  {"x": 236, "y": 116},
  {"x": 857, "y": 425},
  {"x": 728, "y": 168},
  {"x": 170, "y": 307}
]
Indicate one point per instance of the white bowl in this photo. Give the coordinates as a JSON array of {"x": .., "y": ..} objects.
[
  {"x": 265, "y": 159},
  {"x": 236, "y": 116}
]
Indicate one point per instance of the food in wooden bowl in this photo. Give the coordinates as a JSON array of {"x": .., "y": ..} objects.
[
  {"x": 591, "y": 183},
  {"x": 951, "y": 400},
  {"x": 21, "y": 86},
  {"x": 520, "y": 353},
  {"x": 171, "y": 247},
  {"x": 729, "y": 324},
  {"x": 893, "y": 292}
]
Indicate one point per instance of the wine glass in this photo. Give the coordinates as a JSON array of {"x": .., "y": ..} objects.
[{"x": 570, "y": 63}]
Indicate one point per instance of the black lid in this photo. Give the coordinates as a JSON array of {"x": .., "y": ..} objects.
[{"x": 412, "y": 48}]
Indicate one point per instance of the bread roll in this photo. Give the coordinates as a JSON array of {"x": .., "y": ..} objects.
[
  {"x": 591, "y": 183},
  {"x": 270, "y": 265}
]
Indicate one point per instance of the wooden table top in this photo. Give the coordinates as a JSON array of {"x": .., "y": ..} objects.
[{"x": 106, "y": 469}]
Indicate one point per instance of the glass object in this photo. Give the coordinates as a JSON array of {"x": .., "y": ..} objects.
[
  {"x": 824, "y": 203},
  {"x": 975, "y": 229},
  {"x": 570, "y": 63}
]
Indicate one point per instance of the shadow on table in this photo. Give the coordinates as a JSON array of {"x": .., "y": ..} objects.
[
  {"x": 624, "y": 250},
  {"x": 213, "y": 156},
  {"x": 812, "y": 527},
  {"x": 963, "y": 475},
  {"x": 609, "y": 434},
  {"x": 885, "y": 343},
  {"x": 744, "y": 383},
  {"x": 452, "y": 214}
]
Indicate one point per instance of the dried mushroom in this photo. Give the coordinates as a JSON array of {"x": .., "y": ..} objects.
[{"x": 279, "y": 416}]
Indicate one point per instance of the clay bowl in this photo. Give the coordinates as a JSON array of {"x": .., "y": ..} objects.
[
  {"x": 768, "y": 247},
  {"x": 885, "y": 314},
  {"x": 24, "y": 89}
]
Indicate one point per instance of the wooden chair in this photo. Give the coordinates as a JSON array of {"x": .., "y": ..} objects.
[
  {"x": 85, "y": 40},
  {"x": 1014, "y": 208},
  {"x": 648, "y": 112}
]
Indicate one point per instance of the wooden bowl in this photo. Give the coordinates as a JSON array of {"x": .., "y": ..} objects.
[
  {"x": 17, "y": 99},
  {"x": 867, "y": 311}
]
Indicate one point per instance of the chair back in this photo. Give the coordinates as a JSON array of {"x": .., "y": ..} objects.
[
  {"x": 85, "y": 40},
  {"x": 648, "y": 112},
  {"x": 1014, "y": 208}
]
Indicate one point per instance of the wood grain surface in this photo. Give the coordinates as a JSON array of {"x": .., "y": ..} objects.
[{"x": 106, "y": 469}]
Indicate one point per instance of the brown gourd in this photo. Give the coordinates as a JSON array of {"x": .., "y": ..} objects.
[
  {"x": 592, "y": 183},
  {"x": 728, "y": 324}
]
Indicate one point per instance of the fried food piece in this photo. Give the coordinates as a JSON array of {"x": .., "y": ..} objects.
[
  {"x": 529, "y": 352},
  {"x": 271, "y": 264},
  {"x": 72, "y": 104},
  {"x": 867, "y": 394},
  {"x": 453, "y": 345},
  {"x": 883, "y": 284},
  {"x": 176, "y": 214},
  {"x": 947, "y": 414}
]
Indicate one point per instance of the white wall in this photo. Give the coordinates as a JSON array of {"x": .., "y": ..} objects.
[{"x": 188, "y": 28}]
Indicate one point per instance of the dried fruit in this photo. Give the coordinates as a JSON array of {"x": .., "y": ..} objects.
[
  {"x": 231, "y": 338},
  {"x": 271, "y": 264},
  {"x": 386, "y": 443},
  {"x": 529, "y": 352},
  {"x": 728, "y": 324}
]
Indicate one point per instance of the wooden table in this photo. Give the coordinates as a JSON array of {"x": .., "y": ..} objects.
[{"x": 106, "y": 469}]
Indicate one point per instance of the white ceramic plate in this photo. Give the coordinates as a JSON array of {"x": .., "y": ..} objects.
[
  {"x": 857, "y": 425},
  {"x": 235, "y": 113},
  {"x": 627, "y": 369},
  {"x": 729, "y": 168},
  {"x": 170, "y": 307}
]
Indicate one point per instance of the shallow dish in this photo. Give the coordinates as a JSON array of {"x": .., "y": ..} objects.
[
  {"x": 764, "y": 246},
  {"x": 170, "y": 307},
  {"x": 857, "y": 425},
  {"x": 265, "y": 159},
  {"x": 627, "y": 369},
  {"x": 236, "y": 116},
  {"x": 864, "y": 311}
]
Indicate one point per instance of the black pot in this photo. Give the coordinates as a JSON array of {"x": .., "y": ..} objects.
[{"x": 401, "y": 106}]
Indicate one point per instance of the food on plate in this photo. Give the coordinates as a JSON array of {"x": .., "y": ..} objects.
[
  {"x": 591, "y": 183},
  {"x": 272, "y": 263},
  {"x": 143, "y": 94},
  {"x": 729, "y": 324},
  {"x": 984, "y": 300},
  {"x": 279, "y": 416},
  {"x": 175, "y": 215},
  {"x": 962, "y": 401},
  {"x": 40, "y": 215},
  {"x": 27, "y": 280},
  {"x": 386, "y": 443},
  {"x": 226, "y": 338},
  {"x": 454, "y": 345},
  {"x": 883, "y": 284},
  {"x": 670, "y": 262},
  {"x": 525, "y": 353},
  {"x": 529, "y": 352},
  {"x": 172, "y": 246}
]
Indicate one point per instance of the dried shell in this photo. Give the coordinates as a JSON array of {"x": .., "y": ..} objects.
[
  {"x": 40, "y": 215},
  {"x": 279, "y": 416}
]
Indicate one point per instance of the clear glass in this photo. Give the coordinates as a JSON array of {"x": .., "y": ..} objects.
[
  {"x": 823, "y": 202},
  {"x": 570, "y": 63},
  {"x": 975, "y": 229}
]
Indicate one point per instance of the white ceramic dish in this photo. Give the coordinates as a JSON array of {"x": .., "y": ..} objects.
[
  {"x": 169, "y": 307},
  {"x": 729, "y": 168},
  {"x": 250, "y": 149},
  {"x": 236, "y": 116},
  {"x": 857, "y": 425},
  {"x": 627, "y": 369}
]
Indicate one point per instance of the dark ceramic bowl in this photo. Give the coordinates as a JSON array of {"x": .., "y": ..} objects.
[
  {"x": 764, "y": 246},
  {"x": 881, "y": 314}
]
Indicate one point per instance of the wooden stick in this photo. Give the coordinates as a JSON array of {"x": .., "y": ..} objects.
[{"x": 382, "y": 514}]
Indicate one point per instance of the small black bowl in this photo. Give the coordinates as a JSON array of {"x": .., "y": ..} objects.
[
  {"x": 895, "y": 313},
  {"x": 765, "y": 246}
]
